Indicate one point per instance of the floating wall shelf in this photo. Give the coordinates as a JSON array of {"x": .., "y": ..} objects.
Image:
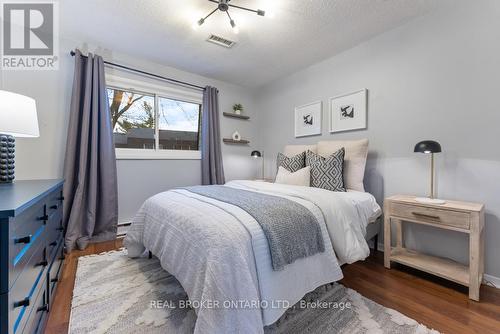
[
  {"x": 232, "y": 141},
  {"x": 230, "y": 114}
]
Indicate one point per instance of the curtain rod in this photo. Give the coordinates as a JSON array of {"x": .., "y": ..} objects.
[{"x": 174, "y": 81}]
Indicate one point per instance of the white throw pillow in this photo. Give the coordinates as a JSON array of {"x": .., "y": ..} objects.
[
  {"x": 302, "y": 177},
  {"x": 356, "y": 152}
]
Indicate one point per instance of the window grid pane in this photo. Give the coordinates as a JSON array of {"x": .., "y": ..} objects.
[
  {"x": 133, "y": 119},
  {"x": 149, "y": 121},
  {"x": 178, "y": 124}
]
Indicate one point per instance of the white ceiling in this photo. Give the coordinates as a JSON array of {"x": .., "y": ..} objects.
[{"x": 301, "y": 33}]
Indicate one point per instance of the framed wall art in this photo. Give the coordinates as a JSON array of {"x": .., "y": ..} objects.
[
  {"x": 348, "y": 111},
  {"x": 308, "y": 119}
]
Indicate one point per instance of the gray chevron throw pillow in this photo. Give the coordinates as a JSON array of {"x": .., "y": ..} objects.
[
  {"x": 327, "y": 173},
  {"x": 292, "y": 164}
]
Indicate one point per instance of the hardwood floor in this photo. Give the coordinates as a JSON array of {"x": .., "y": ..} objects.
[{"x": 437, "y": 303}]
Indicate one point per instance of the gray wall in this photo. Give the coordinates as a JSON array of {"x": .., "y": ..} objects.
[
  {"x": 137, "y": 179},
  {"x": 436, "y": 77}
]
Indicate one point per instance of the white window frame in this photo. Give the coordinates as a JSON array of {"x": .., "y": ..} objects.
[{"x": 158, "y": 91}]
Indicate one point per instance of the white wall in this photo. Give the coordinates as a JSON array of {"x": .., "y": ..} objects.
[
  {"x": 436, "y": 77},
  {"x": 137, "y": 180}
]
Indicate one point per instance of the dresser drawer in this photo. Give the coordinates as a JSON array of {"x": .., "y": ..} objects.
[
  {"x": 54, "y": 203},
  {"x": 53, "y": 243},
  {"x": 36, "y": 320},
  {"x": 54, "y": 273},
  {"x": 25, "y": 290},
  {"x": 27, "y": 233},
  {"x": 54, "y": 230},
  {"x": 432, "y": 215}
]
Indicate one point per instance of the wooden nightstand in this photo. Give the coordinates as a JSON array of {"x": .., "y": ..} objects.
[{"x": 455, "y": 216}]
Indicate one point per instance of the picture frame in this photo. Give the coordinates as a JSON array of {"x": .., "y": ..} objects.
[
  {"x": 308, "y": 119},
  {"x": 349, "y": 111}
]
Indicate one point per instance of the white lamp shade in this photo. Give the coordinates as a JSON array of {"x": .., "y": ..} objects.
[{"x": 18, "y": 115}]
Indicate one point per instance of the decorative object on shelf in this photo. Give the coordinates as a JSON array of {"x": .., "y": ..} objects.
[
  {"x": 258, "y": 154},
  {"x": 18, "y": 118},
  {"x": 236, "y": 136},
  {"x": 429, "y": 147},
  {"x": 223, "y": 6},
  {"x": 348, "y": 111},
  {"x": 233, "y": 115},
  {"x": 238, "y": 108},
  {"x": 308, "y": 119}
]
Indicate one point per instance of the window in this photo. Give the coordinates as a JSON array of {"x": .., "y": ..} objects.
[
  {"x": 133, "y": 119},
  {"x": 178, "y": 124},
  {"x": 154, "y": 122}
]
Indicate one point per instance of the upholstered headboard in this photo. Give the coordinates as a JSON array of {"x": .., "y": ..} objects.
[
  {"x": 356, "y": 152},
  {"x": 291, "y": 150}
]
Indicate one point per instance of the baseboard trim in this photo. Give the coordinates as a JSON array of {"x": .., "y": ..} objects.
[{"x": 489, "y": 280}]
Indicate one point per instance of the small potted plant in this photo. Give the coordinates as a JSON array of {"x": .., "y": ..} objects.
[{"x": 238, "y": 108}]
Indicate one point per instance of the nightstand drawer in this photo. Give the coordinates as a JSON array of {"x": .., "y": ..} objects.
[{"x": 431, "y": 215}]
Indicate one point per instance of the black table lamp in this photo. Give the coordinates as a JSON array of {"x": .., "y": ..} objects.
[
  {"x": 258, "y": 154},
  {"x": 429, "y": 147}
]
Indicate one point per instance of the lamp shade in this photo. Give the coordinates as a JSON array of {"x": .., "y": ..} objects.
[
  {"x": 18, "y": 115},
  {"x": 427, "y": 146},
  {"x": 256, "y": 154}
]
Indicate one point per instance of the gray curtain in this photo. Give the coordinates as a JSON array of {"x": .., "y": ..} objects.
[
  {"x": 212, "y": 171},
  {"x": 90, "y": 188}
]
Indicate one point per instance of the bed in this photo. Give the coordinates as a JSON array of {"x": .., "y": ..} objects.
[{"x": 220, "y": 255}]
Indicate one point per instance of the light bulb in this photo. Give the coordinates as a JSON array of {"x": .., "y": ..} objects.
[
  {"x": 198, "y": 23},
  {"x": 236, "y": 30}
]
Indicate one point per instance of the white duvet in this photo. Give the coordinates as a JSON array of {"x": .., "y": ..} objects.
[{"x": 220, "y": 255}]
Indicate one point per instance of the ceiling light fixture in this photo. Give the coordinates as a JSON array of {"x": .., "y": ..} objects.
[{"x": 223, "y": 6}]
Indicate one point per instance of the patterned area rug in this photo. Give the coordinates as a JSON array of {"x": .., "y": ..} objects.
[{"x": 115, "y": 294}]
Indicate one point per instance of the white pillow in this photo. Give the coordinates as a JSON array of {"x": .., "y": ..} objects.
[
  {"x": 302, "y": 177},
  {"x": 356, "y": 152}
]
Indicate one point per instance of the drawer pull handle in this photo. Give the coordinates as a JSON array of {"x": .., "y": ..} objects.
[
  {"x": 44, "y": 217},
  {"x": 23, "y": 240},
  {"x": 43, "y": 308},
  {"x": 426, "y": 215},
  {"x": 43, "y": 263},
  {"x": 54, "y": 280},
  {"x": 54, "y": 207},
  {"x": 60, "y": 229},
  {"x": 24, "y": 302},
  {"x": 53, "y": 243},
  {"x": 60, "y": 198}
]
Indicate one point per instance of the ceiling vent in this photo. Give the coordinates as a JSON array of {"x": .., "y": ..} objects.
[{"x": 220, "y": 41}]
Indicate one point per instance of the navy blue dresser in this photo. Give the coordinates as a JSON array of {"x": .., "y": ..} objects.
[{"x": 31, "y": 253}]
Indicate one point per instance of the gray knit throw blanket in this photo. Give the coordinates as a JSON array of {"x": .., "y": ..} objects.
[{"x": 291, "y": 229}]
